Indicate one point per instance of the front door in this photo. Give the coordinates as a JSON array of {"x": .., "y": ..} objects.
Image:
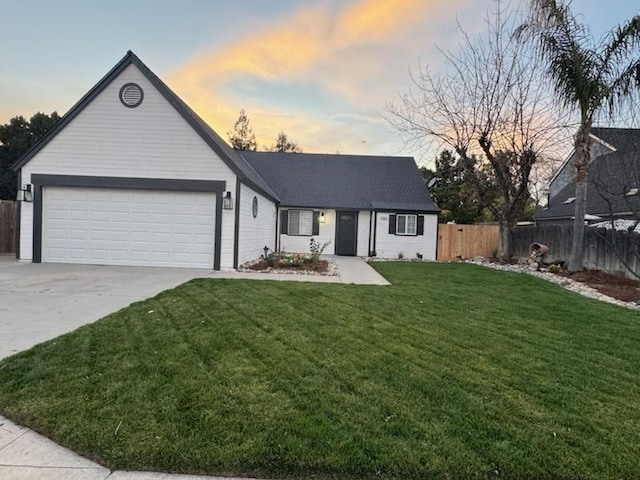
[{"x": 346, "y": 233}]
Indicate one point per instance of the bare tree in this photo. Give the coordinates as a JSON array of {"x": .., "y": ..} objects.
[{"x": 490, "y": 103}]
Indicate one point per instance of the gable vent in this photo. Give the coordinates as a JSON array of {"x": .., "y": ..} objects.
[{"x": 131, "y": 95}]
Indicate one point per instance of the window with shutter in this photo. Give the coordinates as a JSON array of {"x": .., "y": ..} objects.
[
  {"x": 406, "y": 224},
  {"x": 300, "y": 222}
]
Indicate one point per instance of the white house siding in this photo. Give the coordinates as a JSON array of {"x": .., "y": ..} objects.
[
  {"x": 300, "y": 244},
  {"x": 150, "y": 141},
  {"x": 255, "y": 233},
  {"x": 390, "y": 246},
  {"x": 362, "y": 248}
]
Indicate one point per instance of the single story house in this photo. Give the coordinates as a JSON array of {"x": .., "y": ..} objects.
[
  {"x": 132, "y": 176},
  {"x": 613, "y": 189}
]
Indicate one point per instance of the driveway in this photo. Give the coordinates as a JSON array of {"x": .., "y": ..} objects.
[{"x": 41, "y": 301}]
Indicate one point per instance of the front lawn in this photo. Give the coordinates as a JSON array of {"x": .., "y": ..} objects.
[{"x": 453, "y": 371}]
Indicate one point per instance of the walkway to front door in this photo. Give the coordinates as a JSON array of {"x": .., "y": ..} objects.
[{"x": 346, "y": 233}]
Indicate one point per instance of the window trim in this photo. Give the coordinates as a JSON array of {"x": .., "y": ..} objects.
[
  {"x": 415, "y": 224},
  {"x": 310, "y": 212}
]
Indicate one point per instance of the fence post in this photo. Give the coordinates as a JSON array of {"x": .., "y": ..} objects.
[{"x": 8, "y": 218}]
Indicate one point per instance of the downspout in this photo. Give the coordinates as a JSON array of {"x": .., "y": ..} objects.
[
  {"x": 375, "y": 231},
  {"x": 277, "y": 239},
  {"x": 370, "y": 227}
]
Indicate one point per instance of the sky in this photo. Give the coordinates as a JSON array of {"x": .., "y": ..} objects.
[{"x": 320, "y": 70}]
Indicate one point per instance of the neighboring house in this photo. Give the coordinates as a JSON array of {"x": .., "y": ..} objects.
[
  {"x": 132, "y": 176},
  {"x": 614, "y": 180}
]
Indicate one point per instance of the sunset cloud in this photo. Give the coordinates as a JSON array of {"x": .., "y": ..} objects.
[{"x": 348, "y": 60}]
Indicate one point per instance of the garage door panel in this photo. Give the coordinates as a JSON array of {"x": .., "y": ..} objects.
[{"x": 128, "y": 227}]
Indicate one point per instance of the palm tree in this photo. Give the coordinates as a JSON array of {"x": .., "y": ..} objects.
[{"x": 592, "y": 77}]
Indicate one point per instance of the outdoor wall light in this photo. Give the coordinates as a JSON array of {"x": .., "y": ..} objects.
[
  {"x": 227, "y": 202},
  {"x": 322, "y": 217},
  {"x": 26, "y": 193}
]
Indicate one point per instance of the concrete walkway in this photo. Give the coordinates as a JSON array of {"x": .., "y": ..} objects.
[
  {"x": 351, "y": 270},
  {"x": 42, "y": 301}
]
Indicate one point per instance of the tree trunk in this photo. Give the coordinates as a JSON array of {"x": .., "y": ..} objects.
[
  {"x": 581, "y": 161},
  {"x": 504, "y": 247}
]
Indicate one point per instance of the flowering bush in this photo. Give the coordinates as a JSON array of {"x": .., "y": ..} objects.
[{"x": 283, "y": 259}]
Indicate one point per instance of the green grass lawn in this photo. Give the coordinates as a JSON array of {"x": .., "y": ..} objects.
[{"x": 454, "y": 371}]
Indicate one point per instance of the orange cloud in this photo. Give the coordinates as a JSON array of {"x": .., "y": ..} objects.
[
  {"x": 339, "y": 52},
  {"x": 310, "y": 35}
]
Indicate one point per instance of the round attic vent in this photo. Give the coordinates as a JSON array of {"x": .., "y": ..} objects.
[{"x": 131, "y": 95}]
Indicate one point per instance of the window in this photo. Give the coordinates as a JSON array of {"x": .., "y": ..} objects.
[
  {"x": 254, "y": 207},
  {"x": 406, "y": 224},
  {"x": 300, "y": 222}
]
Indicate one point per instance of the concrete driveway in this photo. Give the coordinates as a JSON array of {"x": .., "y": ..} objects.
[{"x": 41, "y": 301}]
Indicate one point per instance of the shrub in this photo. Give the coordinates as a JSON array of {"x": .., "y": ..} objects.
[
  {"x": 554, "y": 268},
  {"x": 274, "y": 258},
  {"x": 316, "y": 248},
  {"x": 283, "y": 259}
]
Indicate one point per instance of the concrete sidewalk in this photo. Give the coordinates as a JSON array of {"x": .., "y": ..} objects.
[{"x": 25, "y": 455}]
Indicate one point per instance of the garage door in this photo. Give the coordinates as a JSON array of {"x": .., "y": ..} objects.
[{"x": 128, "y": 227}]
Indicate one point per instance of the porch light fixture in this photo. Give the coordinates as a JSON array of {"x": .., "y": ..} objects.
[
  {"x": 26, "y": 193},
  {"x": 322, "y": 217},
  {"x": 227, "y": 202}
]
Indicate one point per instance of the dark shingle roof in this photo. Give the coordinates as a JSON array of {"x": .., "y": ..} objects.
[
  {"x": 622, "y": 139},
  {"x": 343, "y": 181},
  {"x": 611, "y": 177},
  {"x": 234, "y": 161}
]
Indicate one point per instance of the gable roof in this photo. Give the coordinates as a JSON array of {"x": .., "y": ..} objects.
[
  {"x": 230, "y": 157},
  {"x": 614, "y": 139},
  {"x": 343, "y": 181},
  {"x": 621, "y": 139},
  {"x": 611, "y": 178}
]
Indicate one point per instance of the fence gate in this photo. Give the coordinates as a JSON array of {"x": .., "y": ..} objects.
[
  {"x": 467, "y": 241},
  {"x": 8, "y": 219}
]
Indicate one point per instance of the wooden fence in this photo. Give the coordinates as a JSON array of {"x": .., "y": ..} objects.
[
  {"x": 467, "y": 241},
  {"x": 8, "y": 219},
  {"x": 611, "y": 251}
]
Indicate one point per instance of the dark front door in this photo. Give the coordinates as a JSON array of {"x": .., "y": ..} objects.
[{"x": 346, "y": 236}]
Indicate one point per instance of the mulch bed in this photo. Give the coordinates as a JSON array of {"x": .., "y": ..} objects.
[
  {"x": 615, "y": 286},
  {"x": 321, "y": 267}
]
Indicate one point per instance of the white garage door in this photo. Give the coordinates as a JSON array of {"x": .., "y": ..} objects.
[{"x": 128, "y": 227}]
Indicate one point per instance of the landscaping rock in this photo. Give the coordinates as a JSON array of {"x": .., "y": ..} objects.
[{"x": 567, "y": 283}]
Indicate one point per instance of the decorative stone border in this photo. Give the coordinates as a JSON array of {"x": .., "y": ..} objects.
[
  {"x": 332, "y": 270},
  {"x": 567, "y": 283}
]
